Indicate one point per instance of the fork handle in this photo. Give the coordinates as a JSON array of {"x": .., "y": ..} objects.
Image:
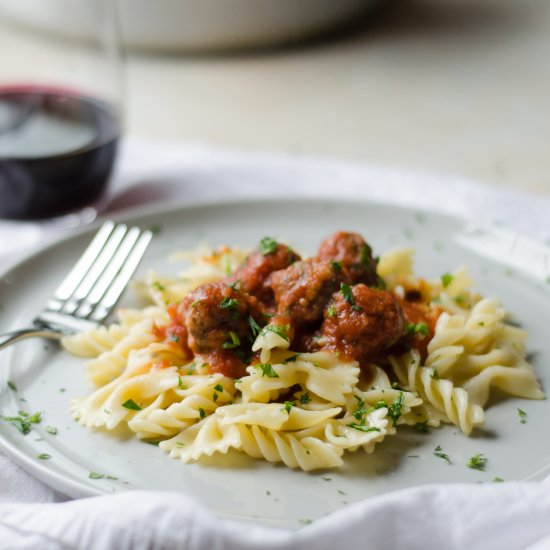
[{"x": 13, "y": 337}]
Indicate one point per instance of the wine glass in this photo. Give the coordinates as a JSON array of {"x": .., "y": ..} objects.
[{"x": 60, "y": 104}]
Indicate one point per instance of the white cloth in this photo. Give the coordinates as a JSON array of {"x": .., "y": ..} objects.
[{"x": 509, "y": 515}]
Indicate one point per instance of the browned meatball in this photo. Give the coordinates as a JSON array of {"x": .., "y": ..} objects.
[
  {"x": 361, "y": 323},
  {"x": 303, "y": 289},
  {"x": 217, "y": 317},
  {"x": 254, "y": 272},
  {"x": 354, "y": 253}
]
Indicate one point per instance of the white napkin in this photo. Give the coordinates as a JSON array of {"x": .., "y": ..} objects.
[{"x": 509, "y": 515}]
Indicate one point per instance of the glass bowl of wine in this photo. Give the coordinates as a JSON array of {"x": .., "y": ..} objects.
[{"x": 60, "y": 113}]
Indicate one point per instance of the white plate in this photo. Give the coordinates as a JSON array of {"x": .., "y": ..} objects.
[{"x": 236, "y": 486}]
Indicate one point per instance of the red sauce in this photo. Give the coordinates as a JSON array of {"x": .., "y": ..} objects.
[
  {"x": 226, "y": 362},
  {"x": 175, "y": 331}
]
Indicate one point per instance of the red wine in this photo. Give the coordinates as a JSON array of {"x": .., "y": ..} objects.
[{"x": 57, "y": 150}]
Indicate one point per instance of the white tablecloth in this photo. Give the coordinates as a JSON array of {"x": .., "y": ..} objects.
[{"x": 509, "y": 515}]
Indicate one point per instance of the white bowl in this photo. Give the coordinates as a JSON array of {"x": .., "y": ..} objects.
[{"x": 197, "y": 25}]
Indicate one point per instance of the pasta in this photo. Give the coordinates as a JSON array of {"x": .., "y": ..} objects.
[{"x": 301, "y": 397}]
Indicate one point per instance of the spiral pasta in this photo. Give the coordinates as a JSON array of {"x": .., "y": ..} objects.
[{"x": 305, "y": 410}]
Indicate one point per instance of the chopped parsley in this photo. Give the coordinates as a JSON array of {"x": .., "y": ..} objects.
[
  {"x": 305, "y": 398},
  {"x": 417, "y": 328},
  {"x": 497, "y": 479},
  {"x": 131, "y": 405},
  {"x": 267, "y": 370},
  {"x": 215, "y": 397},
  {"x": 305, "y": 521},
  {"x": 175, "y": 338},
  {"x": 422, "y": 427},
  {"x": 159, "y": 286},
  {"x": 180, "y": 382},
  {"x": 229, "y": 303},
  {"x": 366, "y": 254},
  {"x": 336, "y": 265},
  {"x": 363, "y": 427},
  {"x": 233, "y": 341},
  {"x": 235, "y": 285},
  {"x": 218, "y": 387},
  {"x": 288, "y": 406},
  {"x": 438, "y": 452},
  {"x": 446, "y": 279},
  {"x": 268, "y": 246},
  {"x": 191, "y": 369},
  {"x": 51, "y": 430},
  {"x": 292, "y": 358},
  {"x": 202, "y": 412},
  {"x": 331, "y": 311},
  {"x": 394, "y": 410},
  {"x": 44, "y": 456},
  {"x": 95, "y": 475},
  {"x": 434, "y": 374},
  {"x": 477, "y": 462},
  {"x": 522, "y": 415},
  {"x": 254, "y": 327},
  {"x": 12, "y": 386},
  {"x": 24, "y": 421},
  {"x": 279, "y": 331},
  {"x": 348, "y": 296}
]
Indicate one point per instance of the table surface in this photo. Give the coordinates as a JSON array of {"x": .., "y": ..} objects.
[{"x": 459, "y": 86}]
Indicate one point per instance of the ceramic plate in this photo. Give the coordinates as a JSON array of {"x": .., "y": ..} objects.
[{"x": 235, "y": 486}]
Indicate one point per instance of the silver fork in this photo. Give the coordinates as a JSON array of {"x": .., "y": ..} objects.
[{"x": 92, "y": 288}]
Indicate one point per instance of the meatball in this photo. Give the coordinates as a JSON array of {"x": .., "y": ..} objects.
[
  {"x": 259, "y": 265},
  {"x": 217, "y": 317},
  {"x": 354, "y": 254},
  {"x": 361, "y": 323},
  {"x": 303, "y": 289}
]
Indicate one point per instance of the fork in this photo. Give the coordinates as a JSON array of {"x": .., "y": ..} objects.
[{"x": 90, "y": 291}]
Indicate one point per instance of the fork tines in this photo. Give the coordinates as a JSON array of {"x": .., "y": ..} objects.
[{"x": 92, "y": 288}]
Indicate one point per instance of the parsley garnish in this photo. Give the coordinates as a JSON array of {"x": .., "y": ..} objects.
[
  {"x": 394, "y": 410},
  {"x": 23, "y": 422},
  {"x": 497, "y": 479},
  {"x": 268, "y": 246},
  {"x": 348, "y": 296},
  {"x": 422, "y": 427},
  {"x": 218, "y": 387},
  {"x": 292, "y": 358},
  {"x": 159, "y": 286},
  {"x": 267, "y": 370},
  {"x": 446, "y": 279},
  {"x": 51, "y": 430},
  {"x": 175, "y": 338},
  {"x": 305, "y": 398},
  {"x": 417, "y": 328},
  {"x": 12, "y": 386},
  {"x": 363, "y": 428},
  {"x": 44, "y": 456},
  {"x": 336, "y": 265},
  {"x": 444, "y": 456},
  {"x": 331, "y": 311},
  {"x": 288, "y": 406},
  {"x": 229, "y": 303},
  {"x": 235, "y": 285},
  {"x": 191, "y": 369},
  {"x": 202, "y": 413},
  {"x": 214, "y": 397},
  {"x": 254, "y": 327},
  {"x": 522, "y": 415},
  {"x": 434, "y": 374},
  {"x": 132, "y": 405},
  {"x": 279, "y": 331},
  {"x": 233, "y": 342},
  {"x": 366, "y": 253},
  {"x": 95, "y": 475},
  {"x": 477, "y": 462}
]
